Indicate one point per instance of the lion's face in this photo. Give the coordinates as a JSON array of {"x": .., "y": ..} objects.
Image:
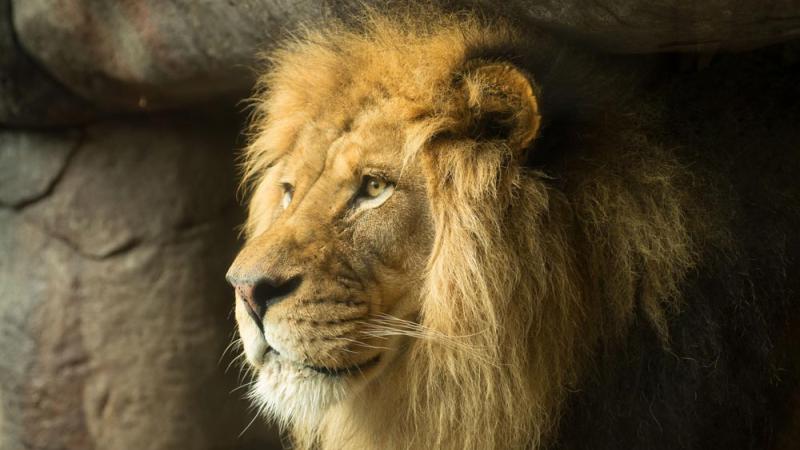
[
  {"x": 371, "y": 171},
  {"x": 341, "y": 236}
]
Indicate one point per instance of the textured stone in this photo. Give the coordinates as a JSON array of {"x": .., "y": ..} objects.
[
  {"x": 31, "y": 162},
  {"x": 113, "y": 309},
  {"x": 103, "y": 205},
  {"x": 644, "y": 26},
  {"x": 150, "y": 54},
  {"x": 28, "y": 96},
  {"x": 34, "y": 274}
]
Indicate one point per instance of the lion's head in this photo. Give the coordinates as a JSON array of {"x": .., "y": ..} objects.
[{"x": 407, "y": 281}]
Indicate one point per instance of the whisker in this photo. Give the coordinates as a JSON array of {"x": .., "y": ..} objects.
[
  {"x": 260, "y": 410},
  {"x": 384, "y": 325},
  {"x": 233, "y": 361},
  {"x": 243, "y": 386},
  {"x": 234, "y": 343},
  {"x": 361, "y": 344},
  {"x": 244, "y": 371}
]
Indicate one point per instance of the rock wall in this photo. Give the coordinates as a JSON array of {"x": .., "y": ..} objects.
[
  {"x": 115, "y": 237},
  {"x": 116, "y": 229},
  {"x": 118, "y": 125}
]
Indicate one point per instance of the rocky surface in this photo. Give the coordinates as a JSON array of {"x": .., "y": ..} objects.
[
  {"x": 113, "y": 309},
  {"x": 31, "y": 162},
  {"x": 152, "y": 54},
  {"x": 28, "y": 95},
  {"x": 645, "y": 26},
  {"x": 148, "y": 164}
]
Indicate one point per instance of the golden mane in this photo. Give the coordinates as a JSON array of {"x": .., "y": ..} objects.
[{"x": 527, "y": 277}]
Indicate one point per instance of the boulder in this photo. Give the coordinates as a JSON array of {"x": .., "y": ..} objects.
[{"x": 154, "y": 54}]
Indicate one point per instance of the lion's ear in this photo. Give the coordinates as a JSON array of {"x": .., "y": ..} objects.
[{"x": 501, "y": 104}]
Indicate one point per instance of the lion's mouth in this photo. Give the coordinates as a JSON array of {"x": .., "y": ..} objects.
[
  {"x": 337, "y": 371},
  {"x": 344, "y": 371}
]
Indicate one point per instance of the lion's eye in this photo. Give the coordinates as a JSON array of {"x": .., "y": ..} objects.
[
  {"x": 374, "y": 187},
  {"x": 374, "y": 191},
  {"x": 288, "y": 190}
]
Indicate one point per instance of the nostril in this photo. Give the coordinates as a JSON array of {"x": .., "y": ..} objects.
[
  {"x": 268, "y": 292},
  {"x": 245, "y": 293}
]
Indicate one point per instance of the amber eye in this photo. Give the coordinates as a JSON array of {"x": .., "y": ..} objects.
[
  {"x": 373, "y": 192},
  {"x": 374, "y": 186}
]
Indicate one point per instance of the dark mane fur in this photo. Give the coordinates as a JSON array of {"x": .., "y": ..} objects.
[{"x": 727, "y": 377}]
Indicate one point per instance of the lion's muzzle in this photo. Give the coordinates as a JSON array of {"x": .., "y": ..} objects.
[
  {"x": 297, "y": 303},
  {"x": 260, "y": 294}
]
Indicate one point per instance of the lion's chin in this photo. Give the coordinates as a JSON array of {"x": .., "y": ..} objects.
[{"x": 290, "y": 392}]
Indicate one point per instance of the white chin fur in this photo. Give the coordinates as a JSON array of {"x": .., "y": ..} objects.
[{"x": 292, "y": 394}]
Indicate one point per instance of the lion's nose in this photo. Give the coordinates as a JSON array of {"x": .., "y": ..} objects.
[{"x": 264, "y": 293}]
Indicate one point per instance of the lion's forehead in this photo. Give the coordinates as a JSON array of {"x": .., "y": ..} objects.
[{"x": 322, "y": 151}]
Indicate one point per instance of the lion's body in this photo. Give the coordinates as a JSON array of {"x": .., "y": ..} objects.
[{"x": 621, "y": 286}]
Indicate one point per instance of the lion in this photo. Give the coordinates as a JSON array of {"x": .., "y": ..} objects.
[{"x": 463, "y": 235}]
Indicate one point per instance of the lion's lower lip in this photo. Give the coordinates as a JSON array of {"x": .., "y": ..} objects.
[
  {"x": 333, "y": 371},
  {"x": 336, "y": 372}
]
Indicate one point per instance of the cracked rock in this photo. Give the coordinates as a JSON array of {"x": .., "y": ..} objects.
[
  {"x": 139, "y": 180},
  {"x": 31, "y": 163},
  {"x": 113, "y": 346},
  {"x": 120, "y": 353}
]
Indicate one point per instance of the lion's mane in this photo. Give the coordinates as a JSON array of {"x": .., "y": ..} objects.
[{"x": 534, "y": 270}]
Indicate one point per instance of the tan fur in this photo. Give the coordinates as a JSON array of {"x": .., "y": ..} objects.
[{"x": 520, "y": 281}]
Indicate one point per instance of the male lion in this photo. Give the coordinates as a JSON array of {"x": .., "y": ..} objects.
[{"x": 461, "y": 236}]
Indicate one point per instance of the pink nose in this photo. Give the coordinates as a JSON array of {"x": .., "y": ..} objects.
[
  {"x": 264, "y": 293},
  {"x": 245, "y": 292}
]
